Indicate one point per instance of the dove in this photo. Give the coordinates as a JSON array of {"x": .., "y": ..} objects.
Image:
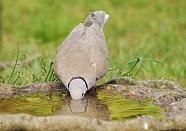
[{"x": 82, "y": 58}]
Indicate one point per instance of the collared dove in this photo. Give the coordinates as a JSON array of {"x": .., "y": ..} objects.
[{"x": 82, "y": 58}]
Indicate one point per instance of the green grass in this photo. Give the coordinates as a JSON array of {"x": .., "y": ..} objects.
[{"x": 146, "y": 38}]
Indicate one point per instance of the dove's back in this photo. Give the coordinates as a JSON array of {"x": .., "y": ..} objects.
[{"x": 83, "y": 53}]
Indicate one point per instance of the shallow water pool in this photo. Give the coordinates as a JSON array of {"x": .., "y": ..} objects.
[{"x": 104, "y": 105}]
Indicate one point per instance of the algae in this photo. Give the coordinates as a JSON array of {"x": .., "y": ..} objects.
[
  {"x": 121, "y": 108},
  {"x": 38, "y": 103}
]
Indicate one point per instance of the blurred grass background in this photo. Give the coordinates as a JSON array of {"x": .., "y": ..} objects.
[{"x": 146, "y": 38}]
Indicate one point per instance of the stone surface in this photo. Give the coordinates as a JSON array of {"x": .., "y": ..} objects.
[
  {"x": 167, "y": 94},
  {"x": 58, "y": 123}
]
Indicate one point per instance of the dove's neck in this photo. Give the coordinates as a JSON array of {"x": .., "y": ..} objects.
[{"x": 78, "y": 80}]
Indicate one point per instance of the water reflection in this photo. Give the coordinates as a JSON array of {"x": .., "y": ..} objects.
[
  {"x": 54, "y": 103},
  {"x": 78, "y": 106},
  {"x": 90, "y": 106}
]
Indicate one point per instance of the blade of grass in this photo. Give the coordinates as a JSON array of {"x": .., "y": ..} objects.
[
  {"x": 43, "y": 65},
  {"x": 18, "y": 77},
  {"x": 124, "y": 67},
  {"x": 13, "y": 70},
  {"x": 49, "y": 71},
  {"x": 137, "y": 61},
  {"x": 137, "y": 72}
]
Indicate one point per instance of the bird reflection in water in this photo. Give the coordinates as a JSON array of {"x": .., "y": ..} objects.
[
  {"x": 89, "y": 106},
  {"x": 78, "y": 106}
]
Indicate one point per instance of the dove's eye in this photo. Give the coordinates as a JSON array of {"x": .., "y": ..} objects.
[{"x": 82, "y": 94}]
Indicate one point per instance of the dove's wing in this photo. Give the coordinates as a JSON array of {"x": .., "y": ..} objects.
[
  {"x": 73, "y": 58},
  {"x": 98, "y": 50}
]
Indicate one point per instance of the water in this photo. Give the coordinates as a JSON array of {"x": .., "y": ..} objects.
[
  {"x": 121, "y": 108},
  {"x": 105, "y": 105}
]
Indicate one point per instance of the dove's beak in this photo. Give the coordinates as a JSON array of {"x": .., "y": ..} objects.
[{"x": 106, "y": 18}]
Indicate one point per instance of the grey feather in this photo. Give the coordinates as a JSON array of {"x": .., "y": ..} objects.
[{"x": 83, "y": 53}]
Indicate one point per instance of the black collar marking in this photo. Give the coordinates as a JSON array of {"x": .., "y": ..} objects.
[{"x": 78, "y": 77}]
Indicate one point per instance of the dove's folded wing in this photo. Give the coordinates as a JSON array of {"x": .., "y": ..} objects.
[{"x": 98, "y": 51}]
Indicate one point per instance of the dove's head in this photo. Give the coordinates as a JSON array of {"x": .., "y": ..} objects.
[
  {"x": 99, "y": 17},
  {"x": 77, "y": 87}
]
